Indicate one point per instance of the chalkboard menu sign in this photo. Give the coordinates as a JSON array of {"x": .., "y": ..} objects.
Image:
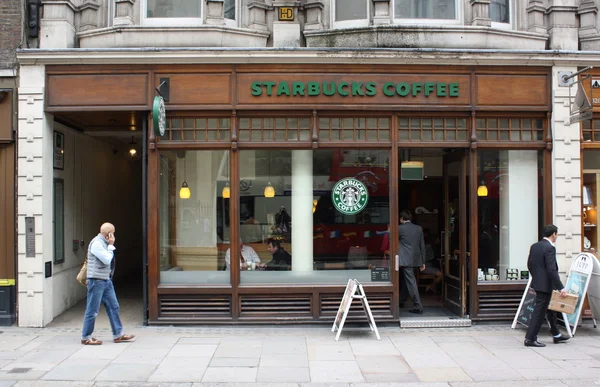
[
  {"x": 527, "y": 306},
  {"x": 380, "y": 274}
]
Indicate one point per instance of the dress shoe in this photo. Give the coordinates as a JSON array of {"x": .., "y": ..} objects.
[
  {"x": 416, "y": 311},
  {"x": 560, "y": 339},
  {"x": 532, "y": 343}
]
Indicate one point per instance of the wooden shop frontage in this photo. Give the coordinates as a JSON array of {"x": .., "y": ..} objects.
[{"x": 269, "y": 186}]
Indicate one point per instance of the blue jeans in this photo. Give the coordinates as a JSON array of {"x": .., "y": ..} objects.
[{"x": 101, "y": 291}]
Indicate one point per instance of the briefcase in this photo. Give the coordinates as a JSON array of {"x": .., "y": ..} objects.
[{"x": 564, "y": 305}]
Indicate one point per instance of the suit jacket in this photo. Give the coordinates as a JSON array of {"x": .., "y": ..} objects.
[
  {"x": 543, "y": 267},
  {"x": 412, "y": 245}
]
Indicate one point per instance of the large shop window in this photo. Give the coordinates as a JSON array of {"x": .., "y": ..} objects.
[
  {"x": 351, "y": 13},
  {"x": 313, "y": 216},
  {"x": 510, "y": 211},
  {"x": 194, "y": 217},
  {"x": 429, "y": 9}
]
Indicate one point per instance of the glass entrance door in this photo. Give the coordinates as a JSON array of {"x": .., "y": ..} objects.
[{"x": 455, "y": 232}]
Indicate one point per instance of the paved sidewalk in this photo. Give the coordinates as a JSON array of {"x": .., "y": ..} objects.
[{"x": 283, "y": 356}]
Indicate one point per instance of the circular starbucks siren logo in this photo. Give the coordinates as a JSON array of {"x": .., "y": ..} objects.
[
  {"x": 350, "y": 196},
  {"x": 159, "y": 115}
]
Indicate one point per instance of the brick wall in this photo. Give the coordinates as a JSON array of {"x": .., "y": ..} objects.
[{"x": 10, "y": 31}]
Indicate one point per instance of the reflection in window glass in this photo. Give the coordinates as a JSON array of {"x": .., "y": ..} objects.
[
  {"x": 229, "y": 9},
  {"x": 511, "y": 213},
  {"x": 425, "y": 9},
  {"x": 500, "y": 11},
  {"x": 350, "y": 10},
  {"x": 194, "y": 222},
  {"x": 300, "y": 234},
  {"x": 174, "y": 8}
]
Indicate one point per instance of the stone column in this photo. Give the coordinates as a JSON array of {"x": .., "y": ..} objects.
[
  {"x": 124, "y": 13},
  {"x": 518, "y": 208},
  {"x": 314, "y": 16},
  {"x": 88, "y": 15},
  {"x": 562, "y": 25},
  {"x": 215, "y": 12},
  {"x": 382, "y": 12},
  {"x": 57, "y": 26},
  {"x": 480, "y": 13},
  {"x": 566, "y": 176},
  {"x": 258, "y": 15},
  {"x": 535, "y": 17},
  {"x": 588, "y": 12},
  {"x": 34, "y": 196},
  {"x": 302, "y": 215}
]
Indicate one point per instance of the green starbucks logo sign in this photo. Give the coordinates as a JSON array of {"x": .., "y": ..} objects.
[{"x": 350, "y": 196}]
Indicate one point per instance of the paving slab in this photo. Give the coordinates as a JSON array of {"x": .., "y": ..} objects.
[
  {"x": 199, "y": 340},
  {"x": 103, "y": 352},
  {"x": 179, "y": 370},
  {"x": 442, "y": 374},
  {"x": 140, "y": 384},
  {"x": 51, "y": 383},
  {"x": 230, "y": 374},
  {"x": 522, "y": 358},
  {"x": 77, "y": 369},
  {"x": 193, "y": 351},
  {"x": 295, "y": 361},
  {"x": 283, "y": 374},
  {"x": 7, "y": 383},
  {"x": 545, "y": 374},
  {"x": 335, "y": 371},
  {"x": 141, "y": 356},
  {"x": 240, "y": 350},
  {"x": 373, "y": 347},
  {"x": 381, "y": 378},
  {"x": 126, "y": 372},
  {"x": 382, "y": 364},
  {"x": 430, "y": 356},
  {"x": 236, "y": 362},
  {"x": 340, "y": 351}
]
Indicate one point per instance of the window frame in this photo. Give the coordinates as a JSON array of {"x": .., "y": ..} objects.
[
  {"x": 350, "y": 23},
  {"x": 172, "y": 21},
  {"x": 458, "y": 20},
  {"x": 511, "y": 18}
]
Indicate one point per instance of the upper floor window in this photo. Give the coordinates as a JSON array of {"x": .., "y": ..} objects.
[
  {"x": 182, "y": 12},
  {"x": 351, "y": 13},
  {"x": 417, "y": 10},
  {"x": 500, "y": 13}
]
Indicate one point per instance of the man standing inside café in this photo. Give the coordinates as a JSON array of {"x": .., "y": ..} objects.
[
  {"x": 412, "y": 255},
  {"x": 544, "y": 278}
]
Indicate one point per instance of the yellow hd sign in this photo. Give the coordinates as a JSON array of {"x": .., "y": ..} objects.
[{"x": 286, "y": 14}]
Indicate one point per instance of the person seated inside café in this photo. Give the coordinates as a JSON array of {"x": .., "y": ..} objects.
[
  {"x": 282, "y": 260},
  {"x": 247, "y": 257}
]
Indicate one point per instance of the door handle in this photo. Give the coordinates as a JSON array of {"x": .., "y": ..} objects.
[{"x": 397, "y": 263}]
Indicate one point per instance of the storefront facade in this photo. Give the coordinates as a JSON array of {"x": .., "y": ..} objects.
[{"x": 259, "y": 149}]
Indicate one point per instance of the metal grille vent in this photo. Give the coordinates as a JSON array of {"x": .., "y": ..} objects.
[
  {"x": 276, "y": 306},
  {"x": 195, "y": 306},
  {"x": 380, "y": 306},
  {"x": 499, "y": 303}
]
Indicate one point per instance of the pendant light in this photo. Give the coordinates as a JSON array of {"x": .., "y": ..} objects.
[
  {"x": 226, "y": 189},
  {"x": 184, "y": 192},
  {"x": 482, "y": 190},
  {"x": 132, "y": 152},
  {"x": 269, "y": 190}
]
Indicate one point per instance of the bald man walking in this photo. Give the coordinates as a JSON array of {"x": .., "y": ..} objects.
[{"x": 101, "y": 267}]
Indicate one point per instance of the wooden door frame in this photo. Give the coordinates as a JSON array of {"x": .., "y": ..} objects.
[{"x": 460, "y": 157}]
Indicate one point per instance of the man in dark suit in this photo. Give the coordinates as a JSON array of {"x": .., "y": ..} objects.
[
  {"x": 412, "y": 255},
  {"x": 544, "y": 278}
]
